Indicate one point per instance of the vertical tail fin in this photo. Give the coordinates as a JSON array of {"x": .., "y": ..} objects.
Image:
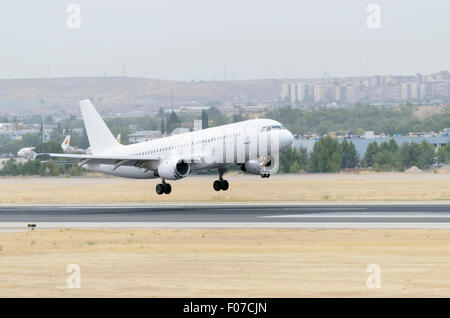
[
  {"x": 66, "y": 143},
  {"x": 100, "y": 137}
]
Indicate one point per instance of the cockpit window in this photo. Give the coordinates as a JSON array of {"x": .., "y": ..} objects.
[{"x": 269, "y": 128}]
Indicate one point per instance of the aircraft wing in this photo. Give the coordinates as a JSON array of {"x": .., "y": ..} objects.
[
  {"x": 117, "y": 161},
  {"x": 82, "y": 159}
]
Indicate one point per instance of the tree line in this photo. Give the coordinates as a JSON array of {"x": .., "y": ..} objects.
[
  {"x": 13, "y": 167},
  {"x": 35, "y": 167},
  {"x": 328, "y": 155},
  {"x": 380, "y": 119}
]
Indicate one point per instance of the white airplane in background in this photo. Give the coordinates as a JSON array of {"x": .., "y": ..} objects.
[
  {"x": 26, "y": 153},
  {"x": 254, "y": 145},
  {"x": 67, "y": 148}
]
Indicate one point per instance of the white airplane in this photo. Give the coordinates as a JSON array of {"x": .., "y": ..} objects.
[
  {"x": 254, "y": 145},
  {"x": 67, "y": 148},
  {"x": 66, "y": 145},
  {"x": 26, "y": 153}
]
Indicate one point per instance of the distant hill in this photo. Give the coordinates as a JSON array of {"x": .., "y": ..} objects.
[{"x": 125, "y": 94}]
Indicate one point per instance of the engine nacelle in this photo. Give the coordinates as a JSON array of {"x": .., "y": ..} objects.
[
  {"x": 174, "y": 169},
  {"x": 261, "y": 166}
]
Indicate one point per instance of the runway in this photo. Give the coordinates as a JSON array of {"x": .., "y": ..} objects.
[{"x": 229, "y": 216}]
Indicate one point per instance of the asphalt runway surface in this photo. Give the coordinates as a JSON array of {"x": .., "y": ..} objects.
[{"x": 229, "y": 216}]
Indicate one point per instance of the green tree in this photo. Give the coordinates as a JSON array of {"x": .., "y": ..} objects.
[
  {"x": 75, "y": 171},
  {"x": 427, "y": 154},
  {"x": 384, "y": 160},
  {"x": 414, "y": 154},
  {"x": 393, "y": 146},
  {"x": 49, "y": 169},
  {"x": 161, "y": 113},
  {"x": 290, "y": 156},
  {"x": 172, "y": 122},
  {"x": 9, "y": 168},
  {"x": 237, "y": 118},
  {"x": 390, "y": 120},
  {"x": 387, "y": 158},
  {"x": 213, "y": 112},
  {"x": 84, "y": 140},
  {"x": 29, "y": 168},
  {"x": 31, "y": 140},
  {"x": 49, "y": 147},
  {"x": 163, "y": 128},
  {"x": 444, "y": 154},
  {"x": 326, "y": 156},
  {"x": 371, "y": 152},
  {"x": 350, "y": 157},
  {"x": 205, "y": 123},
  {"x": 295, "y": 167},
  {"x": 219, "y": 120}
]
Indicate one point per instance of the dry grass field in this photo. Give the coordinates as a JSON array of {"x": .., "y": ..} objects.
[
  {"x": 343, "y": 187},
  {"x": 225, "y": 263}
]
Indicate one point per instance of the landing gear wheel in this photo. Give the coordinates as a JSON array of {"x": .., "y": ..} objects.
[
  {"x": 265, "y": 175},
  {"x": 224, "y": 185},
  {"x": 160, "y": 188},
  {"x": 163, "y": 188},
  {"x": 217, "y": 185},
  {"x": 167, "y": 188},
  {"x": 221, "y": 185}
]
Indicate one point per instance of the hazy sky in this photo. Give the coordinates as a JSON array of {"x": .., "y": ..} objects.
[{"x": 197, "y": 39}]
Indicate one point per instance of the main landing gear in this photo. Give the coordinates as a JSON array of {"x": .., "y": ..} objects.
[
  {"x": 265, "y": 175},
  {"x": 163, "y": 188},
  {"x": 221, "y": 184}
]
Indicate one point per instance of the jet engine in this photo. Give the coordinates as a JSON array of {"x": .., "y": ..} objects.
[
  {"x": 262, "y": 166},
  {"x": 174, "y": 169}
]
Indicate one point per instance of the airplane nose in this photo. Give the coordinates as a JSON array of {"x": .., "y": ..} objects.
[
  {"x": 290, "y": 138},
  {"x": 286, "y": 139}
]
